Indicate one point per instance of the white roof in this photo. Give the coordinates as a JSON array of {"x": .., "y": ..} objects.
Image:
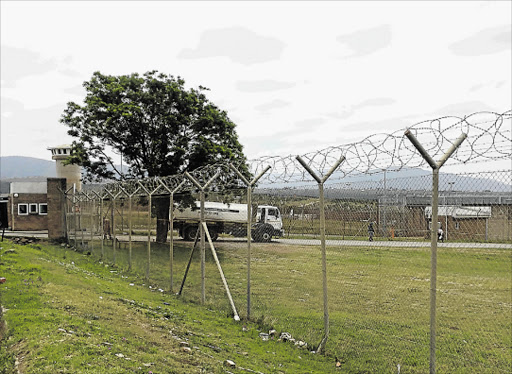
[
  {"x": 460, "y": 211},
  {"x": 67, "y": 146}
]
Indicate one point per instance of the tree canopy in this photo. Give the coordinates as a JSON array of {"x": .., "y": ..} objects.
[{"x": 158, "y": 126}]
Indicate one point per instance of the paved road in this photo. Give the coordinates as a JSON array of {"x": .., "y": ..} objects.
[
  {"x": 390, "y": 243},
  {"x": 329, "y": 242}
]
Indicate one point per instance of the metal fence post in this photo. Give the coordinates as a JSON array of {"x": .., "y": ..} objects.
[
  {"x": 171, "y": 229},
  {"x": 249, "y": 185},
  {"x": 321, "y": 182},
  {"x": 433, "y": 234},
  {"x": 201, "y": 228},
  {"x": 102, "y": 230}
]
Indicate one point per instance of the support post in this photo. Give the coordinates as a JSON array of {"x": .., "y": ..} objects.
[
  {"x": 171, "y": 230},
  {"x": 189, "y": 262},
  {"x": 100, "y": 225},
  {"x": 224, "y": 281},
  {"x": 249, "y": 185},
  {"x": 74, "y": 215},
  {"x": 321, "y": 182},
  {"x": 201, "y": 228},
  {"x": 149, "y": 193},
  {"x": 113, "y": 223},
  {"x": 436, "y": 166},
  {"x": 102, "y": 230}
]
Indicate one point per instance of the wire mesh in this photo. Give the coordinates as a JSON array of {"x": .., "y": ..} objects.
[{"x": 377, "y": 223}]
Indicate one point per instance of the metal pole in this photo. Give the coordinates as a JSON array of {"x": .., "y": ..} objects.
[
  {"x": 324, "y": 264},
  {"x": 249, "y": 184},
  {"x": 321, "y": 182},
  {"x": 189, "y": 262},
  {"x": 202, "y": 220},
  {"x": 102, "y": 230},
  {"x": 436, "y": 166},
  {"x": 149, "y": 237},
  {"x": 171, "y": 240},
  {"x": 433, "y": 268},
  {"x": 384, "y": 224},
  {"x": 203, "y": 250},
  {"x": 114, "y": 227},
  {"x": 226, "y": 287},
  {"x": 93, "y": 209},
  {"x": 171, "y": 229},
  {"x": 130, "y": 232},
  {"x": 80, "y": 220},
  {"x": 74, "y": 212},
  {"x": 249, "y": 239}
]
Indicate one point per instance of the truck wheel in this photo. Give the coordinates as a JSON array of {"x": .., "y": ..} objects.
[
  {"x": 263, "y": 233},
  {"x": 189, "y": 233},
  {"x": 266, "y": 235}
]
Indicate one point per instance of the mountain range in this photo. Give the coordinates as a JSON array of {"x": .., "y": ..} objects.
[{"x": 20, "y": 168}]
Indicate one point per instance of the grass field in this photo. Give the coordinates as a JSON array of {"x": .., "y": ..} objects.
[
  {"x": 378, "y": 300},
  {"x": 65, "y": 312}
]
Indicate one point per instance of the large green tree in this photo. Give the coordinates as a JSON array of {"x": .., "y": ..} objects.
[{"x": 158, "y": 126}]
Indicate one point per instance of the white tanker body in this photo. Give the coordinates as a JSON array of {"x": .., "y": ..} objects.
[{"x": 229, "y": 219}]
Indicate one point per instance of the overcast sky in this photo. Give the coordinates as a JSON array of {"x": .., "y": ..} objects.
[{"x": 294, "y": 76}]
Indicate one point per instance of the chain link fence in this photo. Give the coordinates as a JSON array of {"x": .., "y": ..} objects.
[{"x": 349, "y": 270}]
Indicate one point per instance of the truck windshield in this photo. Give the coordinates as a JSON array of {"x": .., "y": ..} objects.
[{"x": 273, "y": 212}]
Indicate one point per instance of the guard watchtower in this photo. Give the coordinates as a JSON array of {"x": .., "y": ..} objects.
[{"x": 71, "y": 173}]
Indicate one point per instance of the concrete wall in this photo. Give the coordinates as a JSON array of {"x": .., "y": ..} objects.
[
  {"x": 71, "y": 173},
  {"x": 56, "y": 208},
  {"x": 28, "y": 187}
]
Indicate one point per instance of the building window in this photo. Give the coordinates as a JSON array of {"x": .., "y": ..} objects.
[
  {"x": 32, "y": 208},
  {"x": 22, "y": 209},
  {"x": 43, "y": 209}
]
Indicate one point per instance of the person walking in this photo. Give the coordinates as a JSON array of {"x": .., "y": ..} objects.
[
  {"x": 440, "y": 234},
  {"x": 371, "y": 231}
]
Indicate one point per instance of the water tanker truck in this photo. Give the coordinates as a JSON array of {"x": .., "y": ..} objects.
[{"x": 229, "y": 219}]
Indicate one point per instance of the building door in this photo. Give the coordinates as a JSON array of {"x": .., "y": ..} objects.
[{"x": 4, "y": 223}]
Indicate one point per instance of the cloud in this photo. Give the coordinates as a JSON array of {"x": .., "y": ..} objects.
[
  {"x": 464, "y": 109},
  {"x": 378, "y": 101},
  {"x": 485, "y": 42},
  {"x": 308, "y": 124},
  {"x": 33, "y": 130},
  {"x": 18, "y": 63},
  {"x": 263, "y": 86},
  {"x": 365, "y": 42},
  {"x": 275, "y": 104},
  {"x": 77, "y": 90},
  {"x": 488, "y": 85},
  {"x": 239, "y": 44}
]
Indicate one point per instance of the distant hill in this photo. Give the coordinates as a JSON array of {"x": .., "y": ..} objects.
[
  {"x": 19, "y": 168},
  {"x": 24, "y": 167}
]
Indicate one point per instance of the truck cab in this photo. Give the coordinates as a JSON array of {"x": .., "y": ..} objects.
[{"x": 268, "y": 223}]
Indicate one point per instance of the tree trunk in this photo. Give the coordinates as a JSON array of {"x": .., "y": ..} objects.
[{"x": 162, "y": 218}]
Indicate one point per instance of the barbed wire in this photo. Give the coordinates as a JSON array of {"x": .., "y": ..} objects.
[{"x": 489, "y": 137}]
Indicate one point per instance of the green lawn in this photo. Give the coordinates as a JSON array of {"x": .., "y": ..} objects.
[
  {"x": 64, "y": 312},
  {"x": 378, "y": 301}
]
